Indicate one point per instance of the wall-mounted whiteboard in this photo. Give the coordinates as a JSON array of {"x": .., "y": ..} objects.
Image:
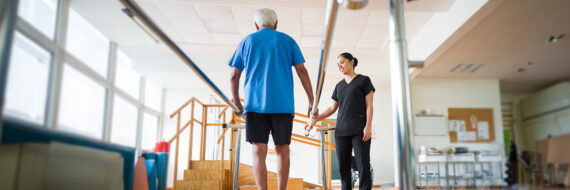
[{"x": 430, "y": 125}]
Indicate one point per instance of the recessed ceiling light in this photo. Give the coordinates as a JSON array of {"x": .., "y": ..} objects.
[{"x": 555, "y": 38}]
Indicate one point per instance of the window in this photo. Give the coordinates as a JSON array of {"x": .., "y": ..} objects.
[
  {"x": 82, "y": 104},
  {"x": 149, "y": 131},
  {"x": 124, "y": 127},
  {"x": 27, "y": 84},
  {"x": 153, "y": 95},
  {"x": 40, "y": 14},
  {"x": 87, "y": 44},
  {"x": 127, "y": 79}
]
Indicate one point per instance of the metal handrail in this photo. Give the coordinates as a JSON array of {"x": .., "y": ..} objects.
[
  {"x": 138, "y": 13},
  {"x": 332, "y": 10}
]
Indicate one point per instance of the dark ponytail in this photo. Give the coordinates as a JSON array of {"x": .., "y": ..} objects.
[{"x": 349, "y": 56}]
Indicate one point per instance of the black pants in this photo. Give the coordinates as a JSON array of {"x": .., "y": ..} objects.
[{"x": 344, "y": 146}]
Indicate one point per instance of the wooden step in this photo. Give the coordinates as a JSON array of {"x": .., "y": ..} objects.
[
  {"x": 206, "y": 174},
  {"x": 248, "y": 187},
  {"x": 209, "y": 164},
  {"x": 292, "y": 184},
  {"x": 198, "y": 184}
]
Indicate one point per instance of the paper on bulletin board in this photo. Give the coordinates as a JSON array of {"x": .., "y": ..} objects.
[
  {"x": 466, "y": 136},
  {"x": 483, "y": 130},
  {"x": 456, "y": 125}
]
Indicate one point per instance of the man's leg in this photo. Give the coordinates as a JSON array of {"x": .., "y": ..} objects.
[
  {"x": 257, "y": 133},
  {"x": 259, "y": 168},
  {"x": 282, "y": 127},
  {"x": 283, "y": 165}
]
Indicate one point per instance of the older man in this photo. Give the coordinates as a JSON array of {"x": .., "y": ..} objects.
[{"x": 267, "y": 57}]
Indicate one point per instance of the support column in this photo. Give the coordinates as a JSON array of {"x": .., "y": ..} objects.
[{"x": 401, "y": 106}]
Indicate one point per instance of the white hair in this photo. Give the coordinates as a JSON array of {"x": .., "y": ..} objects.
[{"x": 265, "y": 17}]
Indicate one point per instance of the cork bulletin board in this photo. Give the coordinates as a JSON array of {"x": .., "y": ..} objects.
[{"x": 471, "y": 125}]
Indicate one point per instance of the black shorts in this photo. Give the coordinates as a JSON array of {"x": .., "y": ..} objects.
[{"x": 258, "y": 126}]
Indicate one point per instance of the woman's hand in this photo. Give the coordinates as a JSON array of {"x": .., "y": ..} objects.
[
  {"x": 312, "y": 122},
  {"x": 367, "y": 133}
]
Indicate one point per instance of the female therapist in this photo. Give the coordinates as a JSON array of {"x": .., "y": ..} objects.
[{"x": 353, "y": 96}]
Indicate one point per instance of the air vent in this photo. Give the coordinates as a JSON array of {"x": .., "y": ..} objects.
[{"x": 466, "y": 67}]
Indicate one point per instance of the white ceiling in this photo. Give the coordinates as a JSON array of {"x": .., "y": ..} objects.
[
  {"x": 209, "y": 30},
  {"x": 506, "y": 40}
]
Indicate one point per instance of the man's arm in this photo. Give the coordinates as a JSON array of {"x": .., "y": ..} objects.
[
  {"x": 306, "y": 81},
  {"x": 236, "y": 74}
]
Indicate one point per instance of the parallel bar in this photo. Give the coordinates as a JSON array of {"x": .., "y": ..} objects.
[
  {"x": 401, "y": 109},
  {"x": 236, "y": 170},
  {"x": 332, "y": 10},
  {"x": 137, "y": 11}
]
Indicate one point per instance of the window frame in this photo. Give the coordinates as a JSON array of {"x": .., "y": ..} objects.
[{"x": 56, "y": 47}]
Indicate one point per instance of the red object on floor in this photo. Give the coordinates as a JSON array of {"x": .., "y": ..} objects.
[
  {"x": 162, "y": 146},
  {"x": 140, "y": 180}
]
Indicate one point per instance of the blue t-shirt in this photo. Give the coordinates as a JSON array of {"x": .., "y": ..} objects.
[{"x": 267, "y": 57}]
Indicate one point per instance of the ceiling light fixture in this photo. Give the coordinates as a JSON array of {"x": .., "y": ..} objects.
[
  {"x": 477, "y": 68},
  {"x": 520, "y": 70},
  {"x": 554, "y": 39},
  {"x": 467, "y": 67},
  {"x": 456, "y": 67}
]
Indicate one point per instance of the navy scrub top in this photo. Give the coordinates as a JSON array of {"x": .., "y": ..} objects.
[{"x": 351, "y": 117}]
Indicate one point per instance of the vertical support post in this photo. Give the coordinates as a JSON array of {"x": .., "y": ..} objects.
[
  {"x": 202, "y": 137},
  {"x": 324, "y": 160},
  {"x": 329, "y": 162},
  {"x": 401, "y": 108},
  {"x": 232, "y": 149},
  {"x": 205, "y": 130},
  {"x": 176, "y": 152},
  {"x": 191, "y": 135},
  {"x": 223, "y": 142},
  {"x": 8, "y": 12},
  {"x": 236, "y": 164}
]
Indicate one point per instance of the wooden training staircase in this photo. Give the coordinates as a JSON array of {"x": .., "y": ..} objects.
[
  {"x": 205, "y": 174},
  {"x": 209, "y": 174}
]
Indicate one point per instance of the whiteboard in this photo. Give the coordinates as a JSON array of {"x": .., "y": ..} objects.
[{"x": 429, "y": 125}]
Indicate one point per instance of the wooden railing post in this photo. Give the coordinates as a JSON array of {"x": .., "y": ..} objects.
[
  {"x": 191, "y": 135},
  {"x": 176, "y": 152},
  {"x": 203, "y": 132},
  {"x": 223, "y": 144}
]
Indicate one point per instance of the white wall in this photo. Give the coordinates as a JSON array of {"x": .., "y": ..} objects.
[
  {"x": 440, "y": 94},
  {"x": 554, "y": 123}
]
